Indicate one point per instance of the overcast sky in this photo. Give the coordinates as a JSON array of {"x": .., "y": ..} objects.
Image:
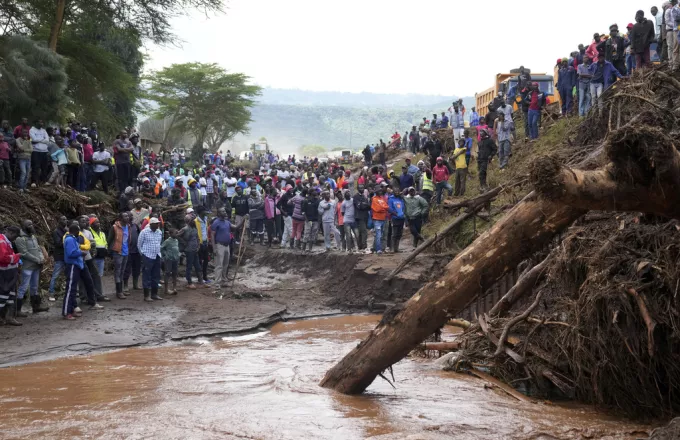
[{"x": 451, "y": 48}]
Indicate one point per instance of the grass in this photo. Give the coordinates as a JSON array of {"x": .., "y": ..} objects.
[{"x": 523, "y": 153}]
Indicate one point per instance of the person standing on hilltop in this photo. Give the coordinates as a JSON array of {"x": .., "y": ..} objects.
[
  {"x": 641, "y": 37},
  {"x": 485, "y": 153}
]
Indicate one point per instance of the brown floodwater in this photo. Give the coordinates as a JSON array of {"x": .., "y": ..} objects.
[{"x": 265, "y": 386}]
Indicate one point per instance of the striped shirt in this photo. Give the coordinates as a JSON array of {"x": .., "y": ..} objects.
[{"x": 149, "y": 243}]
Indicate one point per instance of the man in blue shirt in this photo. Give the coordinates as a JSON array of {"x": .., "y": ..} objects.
[
  {"x": 395, "y": 205},
  {"x": 220, "y": 238},
  {"x": 602, "y": 72},
  {"x": 474, "y": 118},
  {"x": 73, "y": 260},
  {"x": 406, "y": 180}
]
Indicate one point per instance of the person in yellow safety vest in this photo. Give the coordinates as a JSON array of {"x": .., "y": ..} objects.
[
  {"x": 426, "y": 189},
  {"x": 193, "y": 194}
]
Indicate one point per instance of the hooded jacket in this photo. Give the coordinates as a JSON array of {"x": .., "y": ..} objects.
[
  {"x": 310, "y": 208},
  {"x": 256, "y": 208},
  {"x": 8, "y": 259},
  {"x": 31, "y": 253},
  {"x": 396, "y": 207},
  {"x": 361, "y": 206},
  {"x": 296, "y": 203},
  {"x": 327, "y": 211}
]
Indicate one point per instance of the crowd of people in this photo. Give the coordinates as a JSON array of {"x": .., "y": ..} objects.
[{"x": 173, "y": 211}]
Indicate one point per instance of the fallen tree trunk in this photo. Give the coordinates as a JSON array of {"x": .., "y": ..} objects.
[
  {"x": 643, "y": 175},
  {"x": 528, "y": 227}
]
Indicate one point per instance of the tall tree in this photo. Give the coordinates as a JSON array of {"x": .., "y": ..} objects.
[
  {"x": 32, "y": 79},
  {"x": 206, "y": 100},
  {"x": 149, "y": 19}
]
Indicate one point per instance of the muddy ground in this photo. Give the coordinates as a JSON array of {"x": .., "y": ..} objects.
[{"x": 272, "y": 285}]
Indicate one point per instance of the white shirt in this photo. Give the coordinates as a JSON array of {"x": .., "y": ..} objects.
[
  {"x": 230, "y": 182},
  {"x": 101, "y": 155},
  {"x": 39, "y": 138},
  {"x": 659, "y": 21}
]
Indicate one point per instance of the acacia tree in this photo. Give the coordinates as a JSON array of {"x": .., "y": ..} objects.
[{"x": 204, "y": 99}]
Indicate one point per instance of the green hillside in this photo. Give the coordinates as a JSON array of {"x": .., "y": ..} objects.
[{"x": 287, "y": 127}]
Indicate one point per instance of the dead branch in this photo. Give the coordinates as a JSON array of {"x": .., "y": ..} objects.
[
  {"x": 515, "y": 320},
  {"x": 440, "y": 346},
  {"x": 649, "y": 321},
  {"x": 523, "y": 286}
]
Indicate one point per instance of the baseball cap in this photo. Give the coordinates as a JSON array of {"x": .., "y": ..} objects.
[{"x": 153, "y": 221}]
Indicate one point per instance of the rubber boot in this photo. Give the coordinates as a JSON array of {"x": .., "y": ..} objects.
[
  {"x": 154, "y": 294},
  {"x": 20, "y": 314},
  {"x": 311, "y": 244},
  {"x": 395, "y": 247},
  {"x": 135, "y": 284},
  {"x": 119, "y": 291},
  {"x": 299, "y": 245},
  {"x": 174, "y": 286},
  {"x": 147, "y": 295},
  {"x": 10, "y": 319},
  {"x": 292, "y": 243},
  {"x": 165, "y": 286},
  {"x": 3, "y": 315},
  {"x": 35, "y": 304},
  {"x": 262, "y": 240},
  {"x": 126, "y": 289}
]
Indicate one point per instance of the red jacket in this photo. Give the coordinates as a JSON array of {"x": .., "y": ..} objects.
[
  {"x": 592, "y": 52},
  {"x": 440, "y": 173},
  {"x": 8, "y": 259}
]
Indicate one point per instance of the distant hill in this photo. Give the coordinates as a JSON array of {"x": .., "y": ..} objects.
[{"x": 292, "y": 118}]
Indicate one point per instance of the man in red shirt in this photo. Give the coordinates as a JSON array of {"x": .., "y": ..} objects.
[
  {"x": 9, "y": 271},
  {"x": 23, "y": 126},
  {"x": 440, "y": 175},
  {"x": 535, "y": 98}
]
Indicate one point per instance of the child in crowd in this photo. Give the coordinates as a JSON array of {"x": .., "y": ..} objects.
[
  {"x": 59, "y": 161},
  {"x": 170, "y": 256}
]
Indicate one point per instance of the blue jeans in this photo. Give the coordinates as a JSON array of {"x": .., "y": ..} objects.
[
  {"x": 192, "y": 262},
  {"x": 378, "y": 226},
  {"x": 596, "y": 90},
  {"x": 583, "y": 98},
  {"x": 151, "y": 276},
  {"x": 59, "y": 266},
  {"x": 565, "y": 96},
  {"x": 29, "y": 277},
  {"x": 99, "y": 264},
  {"x": 24, "y": 168},
  {"x": 440, "y": 189},
  {"x": 534, "y": 115}
]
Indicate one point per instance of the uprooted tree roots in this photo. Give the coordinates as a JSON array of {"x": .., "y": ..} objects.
[{"x": 590, "y": 330}]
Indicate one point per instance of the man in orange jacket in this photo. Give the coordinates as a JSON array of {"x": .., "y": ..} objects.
[{"x": 379, "y": 209}]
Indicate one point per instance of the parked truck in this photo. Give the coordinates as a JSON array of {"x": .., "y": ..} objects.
[{"x": 507, "y": 83}]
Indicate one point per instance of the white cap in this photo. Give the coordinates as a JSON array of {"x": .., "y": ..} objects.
[
  {"x": 153, "y": 220},
  {"x": 190, "y": 210}
]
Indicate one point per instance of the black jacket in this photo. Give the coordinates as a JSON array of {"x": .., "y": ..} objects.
[
  {"x": 614, "y": 44},
  {"x": 284, "y": 207},
  {"x": 641, "y": 36},
  {"x": 486, "y": 149},
  {"x": 123, "y": 203},
  {"x": 310, "y": 208},
  {"x": 361, "y": 207},
  {"x": 240, "y": 204},
  {"x": 58, "y": 244}
]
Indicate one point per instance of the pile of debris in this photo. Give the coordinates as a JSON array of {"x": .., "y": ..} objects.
[{"x": 44, "y": 206}]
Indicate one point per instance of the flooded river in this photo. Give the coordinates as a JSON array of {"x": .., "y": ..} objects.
[{"x": 265, "y": 386}]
